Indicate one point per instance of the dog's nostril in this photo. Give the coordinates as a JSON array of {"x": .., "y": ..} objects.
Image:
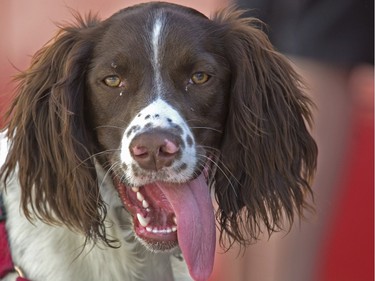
[
  {"x": 139, "y": 151},
  {"x": 169, "y": 147}
]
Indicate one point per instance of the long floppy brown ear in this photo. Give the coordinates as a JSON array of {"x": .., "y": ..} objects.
[
  {"x": 50, "y": 143},
  {"x": 268, "y": 156}
]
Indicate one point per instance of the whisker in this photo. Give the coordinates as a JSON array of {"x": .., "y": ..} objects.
[
  {"x": 208, "y": 148},
  {"x": 109, "y": 126},
  {"x": 207, "y": 128},
  {"x": 94, "y": 155},
  {"x": 224, "y": 173},
  {"x": 111, "y": 168}
]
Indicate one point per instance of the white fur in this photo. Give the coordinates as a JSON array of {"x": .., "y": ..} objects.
[
  {"x": 156, "y": 40},
  {"x": 164, "y": 111},
  {"x": 46, "y": 252}
]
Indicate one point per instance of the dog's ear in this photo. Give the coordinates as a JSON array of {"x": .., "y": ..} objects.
[
  {"x": 268, "y": 156},
  {"x": 50, "y": 144}
]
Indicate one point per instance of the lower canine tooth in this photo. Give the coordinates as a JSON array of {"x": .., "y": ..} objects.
[{"x": 143, "y": 221}]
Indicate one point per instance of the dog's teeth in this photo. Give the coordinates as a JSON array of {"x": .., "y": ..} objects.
[
  {"x": 145, "y": 204},
  {"x": 143, "y": 221},
  {"x": 175, "y": 220},
  {"x": 165, "y": 231},
  {"x": 135, "y": 189},
  {"x": 140, "y": 196}
]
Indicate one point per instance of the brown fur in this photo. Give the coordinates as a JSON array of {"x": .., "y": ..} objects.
[
  {"x": 267, "y": 151},
  {"x": 50, "y": 143}
]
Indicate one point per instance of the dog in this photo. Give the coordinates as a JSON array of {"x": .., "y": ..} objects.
[{"x": 123, "y": 130}]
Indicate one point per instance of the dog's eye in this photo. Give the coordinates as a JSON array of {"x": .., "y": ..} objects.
[
  {"x": 112, "y": 81},
  {"x": 199, "y": 78}
]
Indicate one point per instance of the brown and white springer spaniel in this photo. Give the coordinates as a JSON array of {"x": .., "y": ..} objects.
[{"x": 122, "y": 130}]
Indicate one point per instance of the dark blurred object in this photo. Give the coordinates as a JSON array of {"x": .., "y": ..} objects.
[{"x": 336, "y": 31}]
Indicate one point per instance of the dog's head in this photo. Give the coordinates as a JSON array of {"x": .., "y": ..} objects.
[{"x": 169, "y": 103}]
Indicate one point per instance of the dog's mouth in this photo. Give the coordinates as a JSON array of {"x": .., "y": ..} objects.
[
  {"x": 166, "y": 215},
  {"x": 153, "y": 217}
]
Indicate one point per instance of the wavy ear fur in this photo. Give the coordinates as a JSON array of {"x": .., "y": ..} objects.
[
  {"x": 49, "y": 140},
  {"x": 268, "y": 156}
]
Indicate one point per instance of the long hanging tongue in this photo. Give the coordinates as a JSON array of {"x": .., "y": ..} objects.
[{"x": 195, "y": 224}]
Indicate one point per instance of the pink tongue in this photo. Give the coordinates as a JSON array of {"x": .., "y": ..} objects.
[{"x": 192, "y": 205}]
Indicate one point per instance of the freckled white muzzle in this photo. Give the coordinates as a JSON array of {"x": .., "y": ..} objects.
[{"x": 158, "y": 145}]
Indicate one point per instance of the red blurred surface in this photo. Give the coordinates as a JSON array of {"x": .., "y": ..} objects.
[{"x": 348, "y": 252}]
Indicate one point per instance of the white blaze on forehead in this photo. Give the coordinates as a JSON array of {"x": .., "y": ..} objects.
[{"x": 157, "y": 31}]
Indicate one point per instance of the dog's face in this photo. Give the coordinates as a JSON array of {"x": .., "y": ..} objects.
[
  {"x": 158, "y": 74},
  {"x": 169, "y": 103},
  {"x": 158, "y": 93}
]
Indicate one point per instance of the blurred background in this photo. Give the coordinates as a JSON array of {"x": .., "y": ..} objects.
[{"x": 337, "y": 242}]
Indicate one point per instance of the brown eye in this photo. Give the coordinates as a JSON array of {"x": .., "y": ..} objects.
[
  {"x": 112, "y": 81},
  {"x": 199, "y": 78}
]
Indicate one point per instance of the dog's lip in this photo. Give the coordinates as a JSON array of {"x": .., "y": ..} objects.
[{"x": 159, "y": 241}]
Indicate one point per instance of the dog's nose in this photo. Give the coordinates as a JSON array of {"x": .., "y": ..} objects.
[{"x": 155, "y": 149}]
